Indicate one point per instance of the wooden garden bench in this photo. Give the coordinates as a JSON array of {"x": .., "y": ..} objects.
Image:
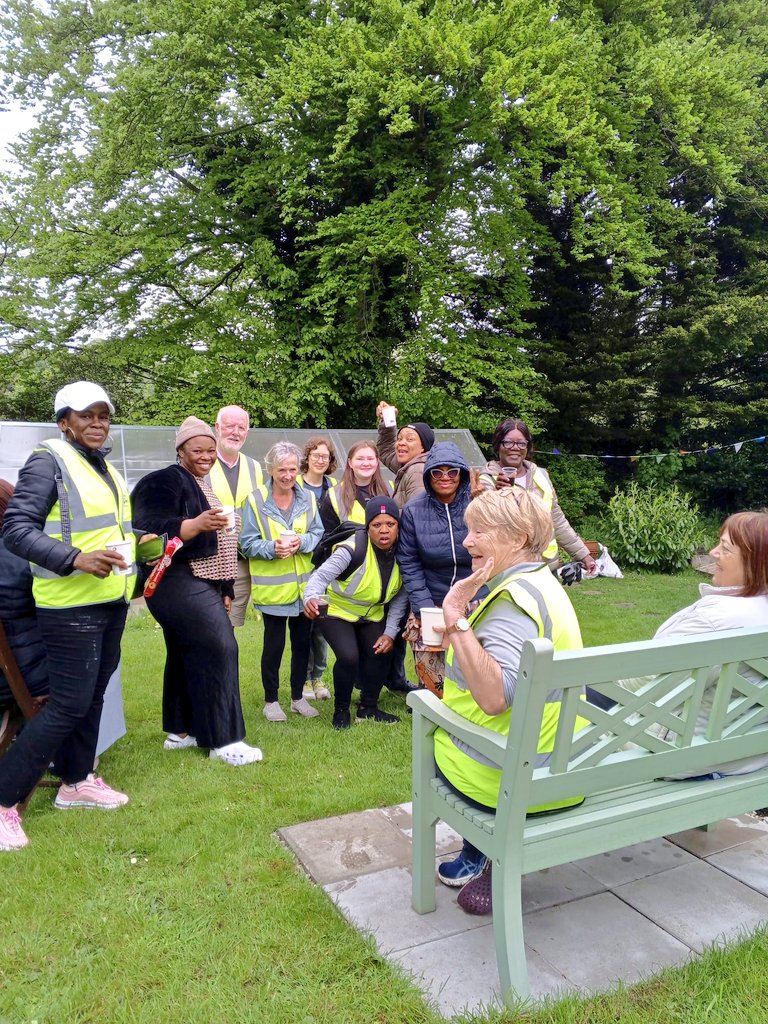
[{"x": 618, "y": 762}]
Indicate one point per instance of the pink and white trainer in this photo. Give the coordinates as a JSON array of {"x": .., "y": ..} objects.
[
  {"x": 91, "y": 792},
  {"x": 12, "y": 835}
]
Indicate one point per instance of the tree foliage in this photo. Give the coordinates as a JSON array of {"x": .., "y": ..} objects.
[{"x": 469, "y": 208}]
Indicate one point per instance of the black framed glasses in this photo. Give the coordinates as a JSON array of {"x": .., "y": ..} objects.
[
  {"x": 512, "y": 445},
  {"x": 444, "y": 474}
]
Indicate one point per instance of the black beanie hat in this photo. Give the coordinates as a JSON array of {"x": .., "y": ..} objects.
[
  {"x": 378, "y": 505},
  {"x": 425, "y": 432}
]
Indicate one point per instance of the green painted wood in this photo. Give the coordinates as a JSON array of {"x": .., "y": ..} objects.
[{"x": 620, "y": 762}]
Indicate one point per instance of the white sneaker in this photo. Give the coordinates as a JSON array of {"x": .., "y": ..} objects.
[
  {"x": 303, "y": 707},
  {"x": 236, "y": 754},
  {"x": 175, "y": 742},
  {"x": 308, "y": 693},
  {"x": 274, "y": 713}
]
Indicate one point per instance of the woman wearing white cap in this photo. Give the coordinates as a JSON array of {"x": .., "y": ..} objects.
[{"x": 69, "y": 508}]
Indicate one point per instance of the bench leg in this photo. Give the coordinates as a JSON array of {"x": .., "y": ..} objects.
[
  {"x": 424, "y": 853},
  {"x": 508, "y": 933}
]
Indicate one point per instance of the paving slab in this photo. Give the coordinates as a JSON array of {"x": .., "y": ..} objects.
[
  {"x": 631, "y": 862},
  {"x": 459, "y": 975},
  {"x": 723, "y": 836},
  {"x": 560, "y": 884},
  {"x": 587, "y": 941},
  {"x": 698, "y": 904},
  {"x": 380, "y": 904},
  {"x": 347, "y": 846},
  {"x": 747, "y": 862}
]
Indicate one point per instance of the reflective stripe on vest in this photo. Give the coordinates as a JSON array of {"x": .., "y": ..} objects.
[
  {"x": 279, "y": 580},
  {"x": 249, "y": 477},
  {"x": 360, "y": 596},
  {"x": 355, "y": 515},
  {"x": 542, "y": 598},
  {"x": 91, "y": 520}
]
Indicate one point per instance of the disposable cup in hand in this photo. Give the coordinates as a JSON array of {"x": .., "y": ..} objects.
[
  {"x": 322, "y": 607},
  {"x": 431, "y": 617},
  {"x": 229, "y": 512},
  {"x": 288, "y": 534},
  {"x": 125, "y": 549},
  {"x": 389, "y": 416}
]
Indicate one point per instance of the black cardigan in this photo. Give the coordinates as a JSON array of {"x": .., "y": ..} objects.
[{"x": 161, "y": 500}]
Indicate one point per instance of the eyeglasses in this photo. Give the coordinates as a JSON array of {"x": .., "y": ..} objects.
[
  {"x": 320, "y": 455},
  {"x": 511, "y": 445},
  {"x": 444, "y": 474}
]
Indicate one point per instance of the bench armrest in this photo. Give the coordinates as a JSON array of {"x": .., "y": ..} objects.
[{"x": 425, "y": 704}]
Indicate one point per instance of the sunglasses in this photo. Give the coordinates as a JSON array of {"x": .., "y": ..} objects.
[{"x": 444, "y": 474}]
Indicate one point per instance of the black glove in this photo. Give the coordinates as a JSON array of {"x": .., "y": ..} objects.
[{"x": 570, "y": 573}]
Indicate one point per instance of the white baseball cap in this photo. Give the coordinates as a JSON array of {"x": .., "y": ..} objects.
[{"x": 80, "y": 396}]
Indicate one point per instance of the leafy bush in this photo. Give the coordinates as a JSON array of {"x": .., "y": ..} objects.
[{"x": 652, "y": 528}]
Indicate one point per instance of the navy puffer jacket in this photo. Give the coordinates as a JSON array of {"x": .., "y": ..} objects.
[
  {"x": 17, "y": 611},
  {"x": 430, "y": 550}
]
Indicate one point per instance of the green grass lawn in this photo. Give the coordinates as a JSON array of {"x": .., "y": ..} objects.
[{"x": 183, "y": 907}]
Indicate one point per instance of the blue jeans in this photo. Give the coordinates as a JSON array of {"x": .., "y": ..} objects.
[
  {"x": 318, "y": 654},
  {"x": 83, "y": 648}
]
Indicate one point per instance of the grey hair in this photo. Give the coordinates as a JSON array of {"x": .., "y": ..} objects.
[{"x": 279, "y": 452}]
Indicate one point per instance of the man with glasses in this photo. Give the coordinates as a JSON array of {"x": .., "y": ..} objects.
[
  {"x": 233, "y": 477},
  {"x": 512, "y": 444}
]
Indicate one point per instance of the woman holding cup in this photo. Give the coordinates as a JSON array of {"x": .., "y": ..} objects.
[
  {"x": 350, "y": 596},
  {"x": 201, "y": 683},
  {"x": 70, "y": 507},
  {"x": 404, "y": 451},
  {"x": 281, "y": 528}
]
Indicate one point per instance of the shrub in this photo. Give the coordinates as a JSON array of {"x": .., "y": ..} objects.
[
  {"x": 580, "y": 485},
  {"x": 652, "y": 528}
]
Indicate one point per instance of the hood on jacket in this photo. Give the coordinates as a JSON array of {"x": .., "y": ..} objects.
[{"x": 445, "y": 453}]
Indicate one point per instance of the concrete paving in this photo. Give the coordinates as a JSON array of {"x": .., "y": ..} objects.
[{"x": 621, "y": 916}]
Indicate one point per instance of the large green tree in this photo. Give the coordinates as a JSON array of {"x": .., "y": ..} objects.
[{"x": 303, "y": 207}]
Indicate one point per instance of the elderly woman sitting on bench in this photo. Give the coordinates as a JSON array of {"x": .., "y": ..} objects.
[{"x": 508, "y": 531}]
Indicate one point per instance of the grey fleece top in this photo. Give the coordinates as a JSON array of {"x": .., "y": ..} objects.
[{"x": 332, "y": 568}]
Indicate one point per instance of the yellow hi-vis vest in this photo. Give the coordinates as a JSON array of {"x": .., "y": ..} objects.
[
  {"x": 249, "y": 477},
  {"x": 546, "y": 494},
  {"x": 356, "y": 514},
  {"x": 93, "y": 519},
  {"x": 540, "y": 596},
  {"x": 362, "y": 596},
  {"x": 279, "y": 580}
]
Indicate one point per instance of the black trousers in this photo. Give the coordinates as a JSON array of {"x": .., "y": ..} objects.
[
  {"x": 83, "y": 647},
  {"x": 201, "y": 682},
  {"x": 352, "y": 643},
  {"x": 300, "y": 629}
]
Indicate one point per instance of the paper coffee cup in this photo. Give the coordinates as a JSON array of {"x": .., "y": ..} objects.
[
  {"x": 431, "y": 617},
  {"x": 389, "y": 416},
  {"x": 124, "y": 548},
  {"x": 288, "y": 534},
  {"x": 229, "y": 512}
]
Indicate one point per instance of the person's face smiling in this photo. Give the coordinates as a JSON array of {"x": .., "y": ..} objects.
[
  {"x": 513, "y": 449},
  {"x": 198, "y": 455},
  {"x": 89, "y": 428},
  {"x": 408, "y": 445},
  {"x": 729, "y": 564}
]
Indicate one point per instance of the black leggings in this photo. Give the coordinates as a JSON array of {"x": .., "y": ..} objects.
[
  {"x": 299, "y": 627},
  {"x": 352, "y": 643}
]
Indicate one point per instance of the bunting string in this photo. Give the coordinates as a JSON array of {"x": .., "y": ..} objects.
[{"x": 734, "y": 446}]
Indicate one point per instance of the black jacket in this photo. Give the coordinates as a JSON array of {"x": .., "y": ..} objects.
[
  {"x": 161, "y": 500},
  {"x": 17, "y": 612}
]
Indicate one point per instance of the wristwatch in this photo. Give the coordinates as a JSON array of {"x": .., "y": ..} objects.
[{"x": 460, "y": 625}]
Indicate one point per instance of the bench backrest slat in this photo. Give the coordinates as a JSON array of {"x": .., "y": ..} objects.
[{"x": 694, "y": 683}]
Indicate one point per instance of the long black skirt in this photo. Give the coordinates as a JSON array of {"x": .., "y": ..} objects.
[{"x": 201, "y": 683}]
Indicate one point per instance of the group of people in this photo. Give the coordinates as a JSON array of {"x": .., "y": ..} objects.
[{"x": 477, "y": 543}]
